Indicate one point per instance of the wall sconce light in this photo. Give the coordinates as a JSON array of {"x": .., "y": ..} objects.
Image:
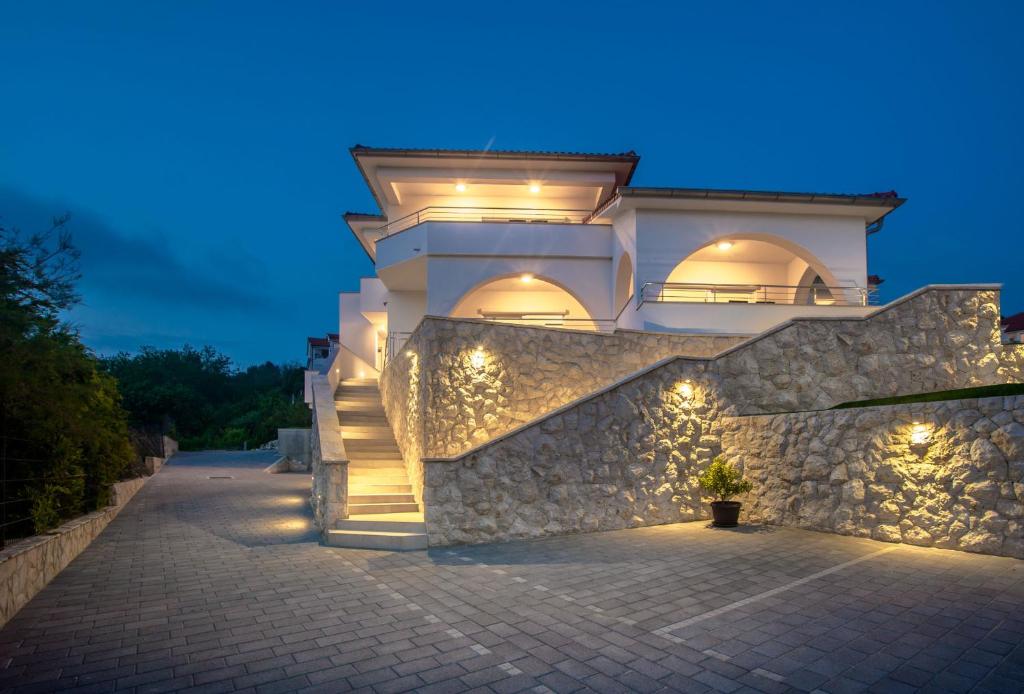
[
  {"x": 724, "y": 245},
  {"x": 477, "y": 358},
  {"x": 686, "y": 391},
  {"x": 920, "y": 434}
]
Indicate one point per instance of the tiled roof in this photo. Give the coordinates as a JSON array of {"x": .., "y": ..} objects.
[
  {"x": 360, "y": 150},
  {"x": 317, "y": 341},
  {"x": 886, "y": 199},
  {"x": 1014, "y": 323}
]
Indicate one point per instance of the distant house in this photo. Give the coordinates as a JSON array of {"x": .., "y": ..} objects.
[
  {"x": 1013, "y": 327},
  {"x": 319, "y": 351}
]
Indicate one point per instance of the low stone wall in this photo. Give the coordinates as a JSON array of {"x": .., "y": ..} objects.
[
  {"x": 955, "y": 479},
  {"x": 295, "y": 445},
  {"x": 461, "y": 382},
  {"x": 329, "y": 490},
  {"x": 28, "y": 565}
]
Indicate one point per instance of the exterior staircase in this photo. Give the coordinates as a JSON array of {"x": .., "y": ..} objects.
[{"x": 383, "y": 513}]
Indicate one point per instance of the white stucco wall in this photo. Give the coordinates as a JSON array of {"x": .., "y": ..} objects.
[
  {"x": 405, "y": 309},
  {"x": 665, "y": 238},
  {"x": 354, "y": 331}
]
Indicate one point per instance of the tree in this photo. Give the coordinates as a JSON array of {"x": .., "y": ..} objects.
[
  {"x": 199, "y": 397},
  {"x": 60, "y": 416}
]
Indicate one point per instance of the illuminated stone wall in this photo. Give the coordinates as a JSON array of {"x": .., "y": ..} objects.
[
  {"x": 624, "y": 457},
  {"x": 939, "y": 338},
  {"x": 627, "y": 455},
  {"x": 401, "y": 395},
  {"x": 955, "y": 479},
  {"x": 459, "y": 382}
]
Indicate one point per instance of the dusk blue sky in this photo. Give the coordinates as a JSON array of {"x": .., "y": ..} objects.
[{"x": 201, "y": 147}]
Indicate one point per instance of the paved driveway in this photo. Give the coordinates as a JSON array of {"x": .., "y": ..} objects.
[{"x": 219, "y": 585}]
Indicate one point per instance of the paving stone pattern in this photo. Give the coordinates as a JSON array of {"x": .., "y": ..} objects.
[{"x": 220, "y": 585}]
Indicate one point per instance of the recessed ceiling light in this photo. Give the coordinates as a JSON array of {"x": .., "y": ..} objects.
[
  {"x": 724, "y": 245},
  {"x": 460, "y": 187},
  {"x": 534, "y": 188}
]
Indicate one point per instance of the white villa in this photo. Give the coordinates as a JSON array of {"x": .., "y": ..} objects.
[
  {"x": 562, "y": 239},
  {"x": 545, "y": 349}
]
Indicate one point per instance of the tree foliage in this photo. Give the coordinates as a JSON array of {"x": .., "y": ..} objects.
[
  {"x": 61, "y": 419},
  {"x": 197, "y": 396}
]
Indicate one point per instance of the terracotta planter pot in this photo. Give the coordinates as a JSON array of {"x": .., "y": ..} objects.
[{"x": 725, "y": 514}]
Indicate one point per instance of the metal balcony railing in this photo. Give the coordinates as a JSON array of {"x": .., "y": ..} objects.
[
  {"x": 793, "y": 295},
  {"x": 393, "y": 345},
  {"x": 555, "y": 319},
  {"x": 515, "y": 215}
]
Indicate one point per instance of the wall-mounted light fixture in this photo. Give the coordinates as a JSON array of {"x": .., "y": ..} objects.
[
  {"x": 724, "y": 245},
  {"x": 460, "y": 187},
  {"x": 477, "y": 358},
  {"x": 920, "y": 434},
  {"x": 526, "y": 277},
  {"x": 534, "y": 188},
  {"x": 686, "y": 392}
]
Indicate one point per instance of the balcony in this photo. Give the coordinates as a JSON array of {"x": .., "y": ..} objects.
[
  {"x": 503, "y": 215},
  {"x": 791, "y": 295}
]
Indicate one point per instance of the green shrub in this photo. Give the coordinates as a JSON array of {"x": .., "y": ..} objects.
[
  {"x": 723, "y": 480},
  {"x": 60, "y": 413}
]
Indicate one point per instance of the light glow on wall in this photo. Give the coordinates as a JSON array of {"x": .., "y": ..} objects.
[
  {"x": 686, "y": 392},
  {"x": 526, "y": 277},
  {"x": 724, "y": 245},
  {"x": 477, "y": 359},
  {"x": 534, "y": 188},
  {"x": 920, "y": 434},
  {"x": 460, "y": 187}
]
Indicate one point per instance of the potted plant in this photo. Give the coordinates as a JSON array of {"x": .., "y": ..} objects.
[{"x": 724, "y": 481}]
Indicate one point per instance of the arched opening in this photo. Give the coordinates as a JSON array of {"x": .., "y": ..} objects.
[
  {"x": 525, "y": 300},
  {"x": 623, "y": 283},
  {"x": 755, "y": 269}
]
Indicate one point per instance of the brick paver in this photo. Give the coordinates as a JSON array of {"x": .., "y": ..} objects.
[{"x": 219, "y": 585}]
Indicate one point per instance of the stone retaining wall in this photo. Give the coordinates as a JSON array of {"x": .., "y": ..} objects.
[
  {"x": 954, "y": 480},
  {"x": 329, "y": 489},
  {"x": 26, "y": 566},
  {"x": 460, "y": 382},
  {"x": 624, "y": 457},
  {"x": 629, "y": 454},
  {"x": 938, "y": 338}
]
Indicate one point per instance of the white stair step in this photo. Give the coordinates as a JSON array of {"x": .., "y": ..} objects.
[
  {"x": 370, "y": 486},
  {"x": 383, "y": 508},
  {"x": 367, "y": 433},
  {"x": 376, "y": 539},
  {"x": 359, "y": 498},
  {"x": 394, "y": 522}
]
